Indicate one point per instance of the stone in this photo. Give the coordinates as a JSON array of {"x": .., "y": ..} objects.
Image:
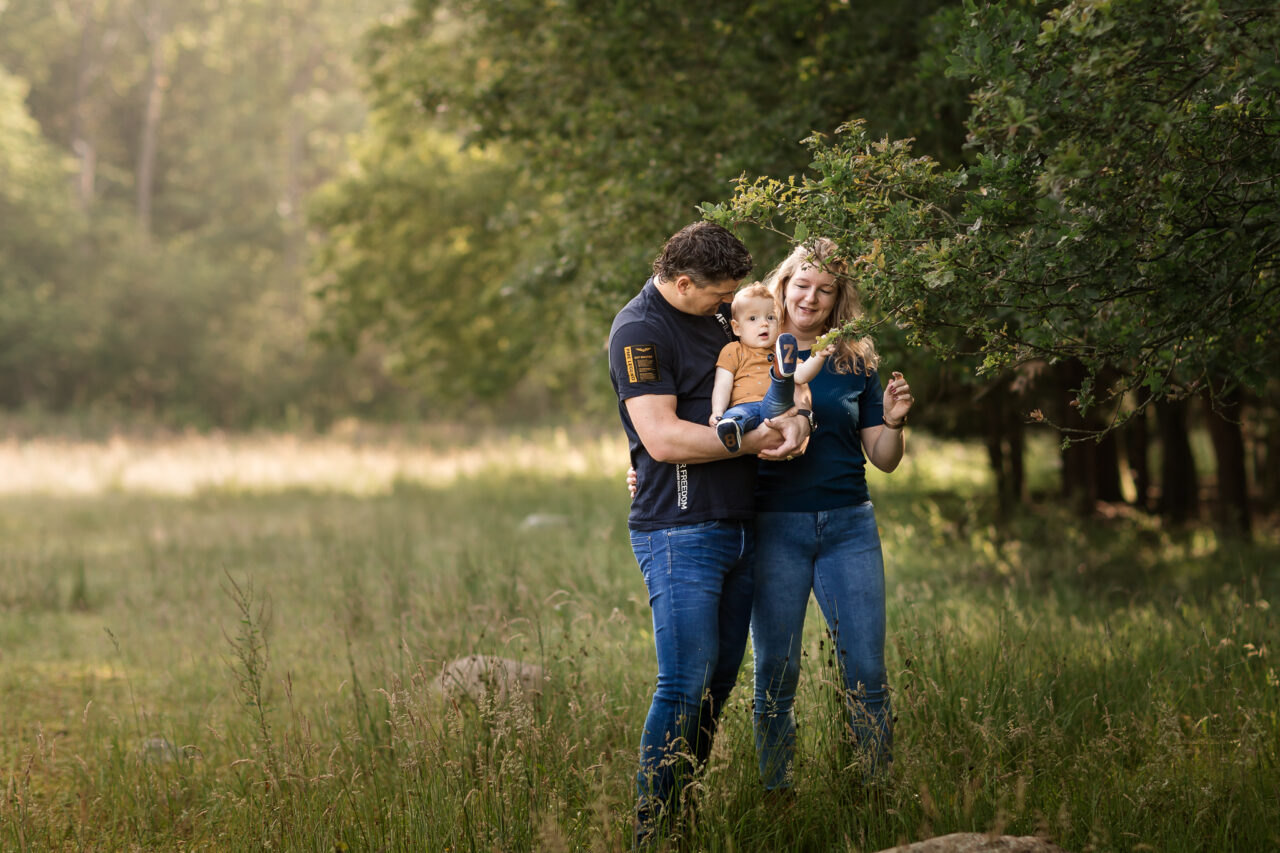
[
  {"x": 158, "y": 750},
  {"x": 543, "y": 519},
  {"x": 977, "y": 842},
  {"x": 474, "y": 676}
]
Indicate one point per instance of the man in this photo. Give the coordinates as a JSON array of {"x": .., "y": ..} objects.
[{"x": 691, "y": 516}]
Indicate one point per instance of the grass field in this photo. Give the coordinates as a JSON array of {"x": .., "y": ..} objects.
[{"x": 231, "y": 644}]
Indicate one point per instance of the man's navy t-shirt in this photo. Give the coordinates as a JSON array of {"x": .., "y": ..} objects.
[{"x": 655, "y": 348}]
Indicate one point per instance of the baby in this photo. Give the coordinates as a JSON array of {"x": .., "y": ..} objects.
[{"x": 748, "y": 389}]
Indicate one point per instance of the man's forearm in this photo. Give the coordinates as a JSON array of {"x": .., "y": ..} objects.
[
  {"x": 670, "y": 439},
  {"x": 685, "y": 443},
  {"x": 667, "y": 437}
]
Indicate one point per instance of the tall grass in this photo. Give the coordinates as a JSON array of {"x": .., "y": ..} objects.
[{"x": 267, "y": 678}]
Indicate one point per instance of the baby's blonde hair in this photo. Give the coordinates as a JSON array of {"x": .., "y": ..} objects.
[{"x": 754, "y": 290}]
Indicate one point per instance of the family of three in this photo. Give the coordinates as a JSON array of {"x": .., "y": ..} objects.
[{"x": 740, "y": 512}]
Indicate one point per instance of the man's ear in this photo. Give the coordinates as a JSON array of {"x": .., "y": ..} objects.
[{"x": 683, "y": 284}]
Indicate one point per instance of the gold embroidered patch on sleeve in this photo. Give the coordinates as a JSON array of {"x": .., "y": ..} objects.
[{"x": 642, "y": 363}]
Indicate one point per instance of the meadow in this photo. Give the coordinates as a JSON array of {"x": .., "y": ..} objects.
[{"x": 232, "y": 643}]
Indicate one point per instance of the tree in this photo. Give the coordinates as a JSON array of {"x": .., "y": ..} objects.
[
  {"x": 35, "y": 309},
  {"x": 1122, "y": 210},
  {"x": 607, "y": 123},
  {"x": 198, "y": 128},
  {"x": 637, "y": 111}
]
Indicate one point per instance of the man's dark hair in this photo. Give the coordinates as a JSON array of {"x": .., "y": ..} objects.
[{"x": 705, "y": 252}]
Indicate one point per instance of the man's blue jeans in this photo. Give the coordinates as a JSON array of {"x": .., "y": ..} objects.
[
  {"x": 699, "y": 580},
  {"x": 836, "y": 554}
]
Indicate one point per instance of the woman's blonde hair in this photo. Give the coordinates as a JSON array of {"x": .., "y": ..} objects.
[{"x": 851, "y": 355}]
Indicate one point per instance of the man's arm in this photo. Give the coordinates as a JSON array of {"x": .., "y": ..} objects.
[{"x": 670, "y": 439}]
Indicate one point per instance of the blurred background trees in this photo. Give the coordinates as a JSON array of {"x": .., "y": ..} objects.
[
  {"x": 237, "y": 213},
  {"x": 153, "y": 266}
]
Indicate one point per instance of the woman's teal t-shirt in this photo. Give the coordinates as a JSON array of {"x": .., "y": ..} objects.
[{"x": 832, "y": 472}]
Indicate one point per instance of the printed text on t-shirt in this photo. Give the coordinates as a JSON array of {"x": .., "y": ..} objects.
[{"x": 642, "y": 363}]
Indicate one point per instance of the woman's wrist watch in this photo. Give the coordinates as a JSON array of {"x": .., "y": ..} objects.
[
  {"x": 808, "y": 414},
  {"x": 899, "y": 425}
]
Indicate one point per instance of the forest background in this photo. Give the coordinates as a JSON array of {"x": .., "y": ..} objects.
[{"x": 281, "y": 213}]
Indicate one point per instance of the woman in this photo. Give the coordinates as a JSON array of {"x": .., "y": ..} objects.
[{"x": 815, "y": 525}]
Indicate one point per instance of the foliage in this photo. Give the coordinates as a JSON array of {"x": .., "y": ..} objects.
[
  {"x": 1112, "y": 685},
  {"x": 638, "y": 111},
  {"x": 152, "y": 267},
  {"x": 1122, "y": 209},
  {"x": 427, "y": 240},
  {"x": 196, "y": 135},
  {"x": 586, "y": 142},
  {"x": 35, "y": 312}
]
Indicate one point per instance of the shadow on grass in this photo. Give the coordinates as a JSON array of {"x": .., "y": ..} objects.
[{"x": 1119, "y": 554}]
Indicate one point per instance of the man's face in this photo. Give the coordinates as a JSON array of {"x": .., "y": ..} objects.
[{"x": 704, "y": 301}]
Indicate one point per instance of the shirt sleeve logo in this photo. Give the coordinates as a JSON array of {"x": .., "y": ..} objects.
[{"x": 642, "y": 363}]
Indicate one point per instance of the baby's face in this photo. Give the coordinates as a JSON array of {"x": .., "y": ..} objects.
[{"x": 755, "y": 322}]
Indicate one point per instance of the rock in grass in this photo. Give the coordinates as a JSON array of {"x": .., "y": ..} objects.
[
  {"x": 158, "y": 750},
  {"x": 976, "y": 842},
  {"x": 543, "y": 519},
  {"x": 475, "y": 676}
]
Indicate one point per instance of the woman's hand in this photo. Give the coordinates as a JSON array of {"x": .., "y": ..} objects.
[
  {"x": 885, "y": 443},
  {"x": 897, "y": 401},
  {"x": 632, "y": 480}
]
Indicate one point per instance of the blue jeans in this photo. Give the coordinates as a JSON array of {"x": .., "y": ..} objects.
[
  {"x": 778, "y": 401},
  {"x": 836, "y": 554},
  {"x": 699, "y": 580}
]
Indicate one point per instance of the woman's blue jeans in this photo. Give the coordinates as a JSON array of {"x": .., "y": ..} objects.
[
  {"x": 699, "y": 580},
  {"x": 836, "y": 554}
]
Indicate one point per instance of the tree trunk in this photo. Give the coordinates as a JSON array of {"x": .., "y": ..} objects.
[
  {"x": 1179, "y": 490},
  {"x": 1136, "y": 445},
  {"x": 300, "y": 60},
  {"x": 156, "y": 82},
  {"x": 1266, "y": 449},
  {"x": 82, "y": 144},
  {"x": 1003, "y": 430},
  {"x": 1090, "y": 467},
  {"x": 1077, "y": 462},
  {"x": 1231, "y": 512},
  {"x": 1106, "y": 466},
  {"x": 1017, "y": 457}
]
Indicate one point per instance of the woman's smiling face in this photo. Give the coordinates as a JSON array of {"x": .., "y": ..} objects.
[{"x": 810, "y": 297}]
